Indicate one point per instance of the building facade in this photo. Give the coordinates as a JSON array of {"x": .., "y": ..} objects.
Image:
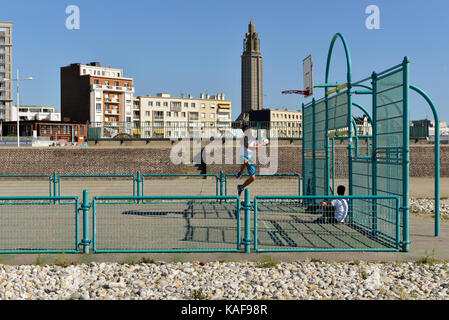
[
  {"x": 39, "y": 113},
  {"x": 281, "y": 123},
  {"x": 54, "y": 131},
  {"x": 96, "y": 94},
  {"x": 5, "y": 70},
  {"x": 252, "y": 82},
  {"x": 163, "y": 116}
]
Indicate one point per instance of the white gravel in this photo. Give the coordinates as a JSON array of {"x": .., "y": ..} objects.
[
  {"x": 428, "y": 205},
  {"x": 226, "y": 281}
]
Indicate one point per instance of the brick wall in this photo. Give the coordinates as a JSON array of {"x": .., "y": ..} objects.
[{"x": 128, "y": 160}]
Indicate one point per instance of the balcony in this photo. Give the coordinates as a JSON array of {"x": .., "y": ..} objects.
[
  {"x": 112, "y": 100},
  {"x": 112, "y": 88},
  {"x": 111, "y": 112}
]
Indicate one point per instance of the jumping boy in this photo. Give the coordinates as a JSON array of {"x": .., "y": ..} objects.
[{"x": 248, "y": 148}]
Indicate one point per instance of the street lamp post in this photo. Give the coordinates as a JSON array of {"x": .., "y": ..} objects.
[{"x": 17, "y": 106}]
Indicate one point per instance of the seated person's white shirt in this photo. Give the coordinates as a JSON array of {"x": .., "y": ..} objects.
[{"x": 341, "y": 209}]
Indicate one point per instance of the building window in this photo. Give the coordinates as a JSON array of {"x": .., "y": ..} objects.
[
  {"x": 150, "y": 103},
  {"x": 203, "y": 115},
  {"x": 212, "y": 106},
  {"x": 128, "y": 119},
  {"x": 76, "y": 130},
  {"x": 98, "y": 107},
  {"x": 203, "y": 105},
  {"x": 168, "y": 114},
  {"x": 193, "y": 105},
  {"x": 65, "y": 129},
  {"x": 82, "y": 130},
  {"x": 212, "y": 115},
  {"x": 116, "y": 84},
  {"x": 147, "y": 113},
  {"x": 165, "y": 104},
  {"x": 158, "y": 104},
  {"x": 51, "y": 130},
  {"x": 106, "y": 82},
  {"x": 96, "y": 82},
  {"x": 45, "y": 129},
  {"x": 126, "y": 84},
  {"x": 183, "y": 114},
  {"x": 84, "y": 71},
  {"x": 186, "y": 104}
]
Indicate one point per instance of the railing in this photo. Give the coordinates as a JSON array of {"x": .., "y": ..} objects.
[
  {"x": 196, "y": 224},
  {"x": 206, "y": 129},
  {"x": 303, "y": 224}
]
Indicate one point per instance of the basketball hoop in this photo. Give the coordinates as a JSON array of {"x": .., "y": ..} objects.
[
  {"x": 307, "y": 67},
  {"x": 301, "y": 92}
]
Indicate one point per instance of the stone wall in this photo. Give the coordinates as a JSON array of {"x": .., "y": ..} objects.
[{"x": 128, "y": 160}]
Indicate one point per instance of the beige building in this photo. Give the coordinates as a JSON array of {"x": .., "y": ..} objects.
[
  {"x": 163, "y": 116},
  {"x": 5, "y": 70}
]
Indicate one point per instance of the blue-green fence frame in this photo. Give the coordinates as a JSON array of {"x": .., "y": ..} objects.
[
  {"x": 394, "y": 241},
  {"x": 24, "y": 201},
  {"x": 145, "y": 199}
]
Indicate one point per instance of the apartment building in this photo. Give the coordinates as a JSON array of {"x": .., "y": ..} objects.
[
  {"x": 163, "y": 116},
  {"x": 39, "y": 113},
  {"x": 284, "y": 123},
  {"x": 5, "y": 70},
  {"x": 100, "y": 95}
]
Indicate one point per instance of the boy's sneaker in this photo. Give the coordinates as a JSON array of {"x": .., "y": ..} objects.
[
  {"x": 239, "y": 175},
  {"x": 240, "y": 189}
]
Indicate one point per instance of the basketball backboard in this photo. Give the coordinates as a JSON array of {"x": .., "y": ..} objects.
[{"x": 307, "y": 68}]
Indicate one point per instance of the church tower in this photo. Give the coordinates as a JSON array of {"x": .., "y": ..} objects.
[{"x": 252, "y": 90}]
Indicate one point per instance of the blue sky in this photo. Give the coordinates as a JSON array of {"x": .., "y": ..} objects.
[{"x": 195, "y": 46}]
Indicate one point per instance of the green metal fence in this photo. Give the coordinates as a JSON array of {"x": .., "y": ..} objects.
[
  {"x": 25, "y": 185},
  {"x": 274, "y": 184},
  {"x": 100, "y": 185},
  {"x": 180, "y": 184},
  {"x": 297, "y": 224},
  {"x": 166, "y": 224},
  {"x": 193, "y": 224},
  {"x": 39, "y": 225}
]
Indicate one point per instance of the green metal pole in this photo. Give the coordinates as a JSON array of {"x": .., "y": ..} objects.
[
  {"x": 139, "y": 181},
  {"x": 85, "y": 208},
  {"x": 303, "y": 154},
  {"x": 333, "y": 165},
  {"x": 406, "y": 157},
  {"x": 314, "y": 147},
  {"x": 221, "y": 184},
  {"x": 374, "y": 153},
  {"x": 55, "y": 183},
  {"x": 437, "y": 157},
  {"x": 247, "y": 208}
]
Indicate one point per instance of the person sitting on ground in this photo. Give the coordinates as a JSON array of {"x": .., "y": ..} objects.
[{"x": 335, "y": 211}]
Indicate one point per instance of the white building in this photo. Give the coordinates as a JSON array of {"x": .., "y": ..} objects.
[{"x": 40, "y": 113}]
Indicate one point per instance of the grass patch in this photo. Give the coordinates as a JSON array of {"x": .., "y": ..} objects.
[
  {"x": 146, "y": 261},
  {"x": 62, "y": 261},
  {"x": 38, "y": 261},
  {"x": 267, "y": 263},
  {"x": 198, "y": 295},
  {"x": 364, "y": 274},
  {"x": 428, "y": 259}
]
